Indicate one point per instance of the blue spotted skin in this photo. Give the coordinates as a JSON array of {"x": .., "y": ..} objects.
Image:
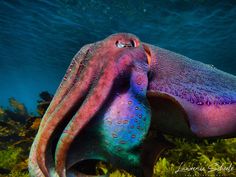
[
  {"x": 120, "y": 128},
  {"x": 191, "y": 80},
  {"x": 127, "y": 121}
]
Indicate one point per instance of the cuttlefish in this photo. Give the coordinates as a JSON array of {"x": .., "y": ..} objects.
[{"x": 117, "y": 96}]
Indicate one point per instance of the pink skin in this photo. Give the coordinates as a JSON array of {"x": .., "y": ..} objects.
[
  {"x": 206, "y": 95},
  {"x": 211, "y": 121},
  {"x": 72, "y": 92},
  {"x": 73, "y": 71},
  {"x": 81, "y": 119}
]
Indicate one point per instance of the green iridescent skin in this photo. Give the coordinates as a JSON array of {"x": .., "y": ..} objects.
[{"x": 120, "y": 127}]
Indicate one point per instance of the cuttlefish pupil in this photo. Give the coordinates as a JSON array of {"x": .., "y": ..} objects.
[{"x": 121, "y": 44}]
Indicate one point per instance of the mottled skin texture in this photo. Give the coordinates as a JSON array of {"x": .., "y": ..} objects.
[{"x": 117, "y": 95}]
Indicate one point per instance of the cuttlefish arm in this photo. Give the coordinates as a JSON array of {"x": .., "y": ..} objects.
[
  {"x": 192, "y": 93},
  {"x": 117, "y": 64},
  {"x": 55, "y": 109}
]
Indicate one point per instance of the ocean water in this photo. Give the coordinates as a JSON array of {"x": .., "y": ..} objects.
[{"x": 39, "y": 38}]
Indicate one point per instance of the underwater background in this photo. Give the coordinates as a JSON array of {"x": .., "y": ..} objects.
[{"x": 39, "y": 38}]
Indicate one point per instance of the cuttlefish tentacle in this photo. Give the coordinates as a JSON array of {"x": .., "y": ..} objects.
[
  {"x": 78, "y": 87},
  {"x": 72, "y": 75},
  {"x": 68, "y": 100},
  {"x": 123, "y": 66},
  {"x": 68, "y": 105},
  {"x": 91, "y": 105}
]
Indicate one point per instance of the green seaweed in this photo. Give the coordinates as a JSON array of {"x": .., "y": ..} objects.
[
  {"x": 9, "y": 157},
  {"x": 17, "y": 131},
  {"x": 16, "y": 173},
  {"x": 205, "y": 158},
  {"x": 197, "y": 158},
  {"x": 189, "y": 157}
]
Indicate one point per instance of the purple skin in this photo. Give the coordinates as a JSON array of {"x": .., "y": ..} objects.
[{"x": 118, "y": 90}]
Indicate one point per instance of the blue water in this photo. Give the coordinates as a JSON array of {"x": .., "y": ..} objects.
[{"x": 39, "y": 38}]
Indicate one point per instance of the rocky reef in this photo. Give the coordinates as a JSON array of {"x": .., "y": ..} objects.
[{"x": 188, "y": 158}]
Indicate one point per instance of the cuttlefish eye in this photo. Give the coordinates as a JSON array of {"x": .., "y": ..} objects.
[{"x": 122, "y": 44}]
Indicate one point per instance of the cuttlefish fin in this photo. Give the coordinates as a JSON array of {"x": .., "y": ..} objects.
[{"x": 205, "y": 94}]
